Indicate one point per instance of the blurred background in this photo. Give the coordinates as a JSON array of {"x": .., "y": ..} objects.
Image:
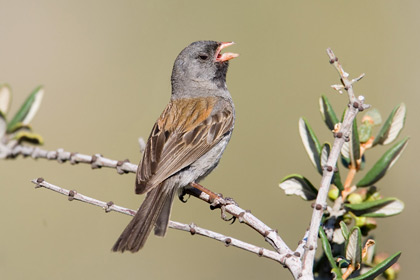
[{"x": 106, "y": 69}]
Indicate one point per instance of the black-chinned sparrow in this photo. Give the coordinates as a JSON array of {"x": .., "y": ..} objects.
[{"x": 186, "y": 142}]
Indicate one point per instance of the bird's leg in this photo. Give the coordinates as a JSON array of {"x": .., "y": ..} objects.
[
  {"x": 216, "y": 200},
  {"x": 212, "y": 196},
  {"x": 201, "y": 192}
]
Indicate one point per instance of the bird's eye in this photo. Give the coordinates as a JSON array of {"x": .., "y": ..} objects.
[{"x": 203, "y": 56}]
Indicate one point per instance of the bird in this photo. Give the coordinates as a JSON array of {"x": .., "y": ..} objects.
[{"x": 186, "y": 142}]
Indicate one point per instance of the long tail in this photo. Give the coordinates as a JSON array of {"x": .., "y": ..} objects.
[{"x": 154, "y": 211}]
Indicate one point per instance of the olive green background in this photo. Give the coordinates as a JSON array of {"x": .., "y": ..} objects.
[{"x": 106, "y": 67}]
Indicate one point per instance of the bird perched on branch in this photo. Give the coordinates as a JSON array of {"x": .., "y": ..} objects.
[{"x": 186, "y": 142}]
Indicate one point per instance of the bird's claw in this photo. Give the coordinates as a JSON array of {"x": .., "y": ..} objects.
[
  {"x": 221, "y": 202},
  {"x": 224, "y": 216},
  {"x": 182, "y": 195}
]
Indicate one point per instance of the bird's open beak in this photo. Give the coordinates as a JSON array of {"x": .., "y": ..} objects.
[{"x": 225, "y": 56}]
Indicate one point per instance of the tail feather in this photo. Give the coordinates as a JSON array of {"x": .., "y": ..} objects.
[
  {"x": 161, "y": 224},
  {"x": 155, "y": 209}
]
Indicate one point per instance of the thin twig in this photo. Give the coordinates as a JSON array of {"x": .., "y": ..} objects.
[
  {"x": 355, "y": 105},
  {"x": 192, "y": 228},
  {"x": 13, "y": 149}
]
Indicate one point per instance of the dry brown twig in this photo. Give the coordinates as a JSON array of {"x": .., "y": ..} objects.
[{"x": 299, "y": 262}]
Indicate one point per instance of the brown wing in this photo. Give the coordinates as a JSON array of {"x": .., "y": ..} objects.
[{"x": 184, "y": 132}]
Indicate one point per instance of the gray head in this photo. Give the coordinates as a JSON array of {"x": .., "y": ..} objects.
[{"x": 200, "y": 69}]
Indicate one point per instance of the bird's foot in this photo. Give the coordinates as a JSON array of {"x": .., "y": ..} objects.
[
  {"x": 216, "y": 199},
  {"x": 182, "y": 194}
]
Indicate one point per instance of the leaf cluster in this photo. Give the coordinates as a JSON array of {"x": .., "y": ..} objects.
[{"x": 360, "y": 202}]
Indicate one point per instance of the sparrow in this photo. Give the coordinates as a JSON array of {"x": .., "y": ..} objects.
[{"x": 186, "y": 142}]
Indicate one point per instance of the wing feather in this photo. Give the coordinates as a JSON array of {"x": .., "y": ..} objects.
[{"x": 184, "y": 132}]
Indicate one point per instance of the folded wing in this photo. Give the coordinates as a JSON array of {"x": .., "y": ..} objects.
[{"x": 184, "y": 132}]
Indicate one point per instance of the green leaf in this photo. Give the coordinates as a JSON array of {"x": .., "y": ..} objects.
[
  {"x": 310, "y": 142},
  {"x": 327, "y": 251},
  {"x": 373, "y": 115},
  {"x": 5, "y": 98},
  {"x": 296, "y": 184},
  {"x": 33, "y": 138},
  {"x": 345, "y": 149},
  {"x": 392, "y": 127},
  {"x": 380, "y": 268},
  {"x": 354, "y": 247},
  {"x": 350, "y": 151},
  {"x": 19, "y": 127},
  {"x": 337, "y": 180},
  {"x": 345, "y": 154},
  {"x": 3, "y": 125},
  {"x": 383, "y": 164},
  {"x": 325, "y": 153},
  {"x": 327, "y": 112},
  {"x": 365, "y": 131},
  {"x": 362, "y": 163},
  {"x": 345, "y": 160},
  {"x": 28, "y": 110},
  {"x": 377, "y": 208},
  {"x": 354, "y": 144},
  {"x": 344, "y": 230}
]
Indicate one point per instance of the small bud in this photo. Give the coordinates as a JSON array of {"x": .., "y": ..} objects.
[
  {"x": 360, "y": 221},
  {"x": 261, "y": 252},
  {"x": 355, "y": 198},
  {"x": 333, "y": 193},
  {"x": 347, "y": 219}
]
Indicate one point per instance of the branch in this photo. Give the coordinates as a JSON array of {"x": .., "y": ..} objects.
[
  {"x": 342, "y": 135},
  {"x": 14, "y": 149},
  {"x": 98, "y": 161},
  {"x": 287, "y": 256},
  {"x": 228, "y": 205},
  {"x": 192, "y": 228},
  {"x": 289, "y": 259}
]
